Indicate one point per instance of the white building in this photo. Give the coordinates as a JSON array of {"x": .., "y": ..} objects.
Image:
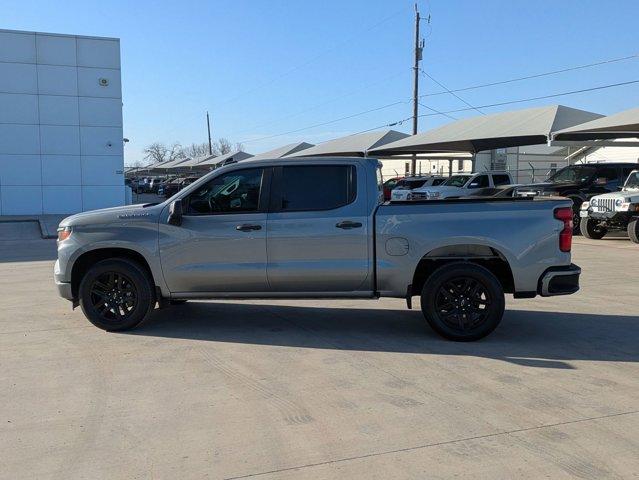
[{"x": 61, "y": 147}]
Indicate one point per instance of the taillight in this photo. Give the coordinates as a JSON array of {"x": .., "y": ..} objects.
[{"x": 565, "y": 236}]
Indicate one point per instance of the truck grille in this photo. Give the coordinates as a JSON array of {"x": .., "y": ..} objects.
[{"x": 605, "y": 205}]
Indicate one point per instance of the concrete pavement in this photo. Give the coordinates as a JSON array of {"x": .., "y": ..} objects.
[{"x": 320, "y": 389}]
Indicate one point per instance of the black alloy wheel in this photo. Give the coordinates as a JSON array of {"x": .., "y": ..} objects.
[
  {"x": 463, "y": 301},
  {"x": 116, "y": 294}
]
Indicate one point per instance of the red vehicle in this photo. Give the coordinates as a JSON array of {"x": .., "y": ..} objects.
[{"x": 389, "y": 185}]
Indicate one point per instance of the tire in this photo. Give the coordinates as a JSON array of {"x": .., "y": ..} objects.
[
  {"x": 472, "y": 292},
  {"x": 590, "y": 229},
  {"x": 116, "y": 294},
  {"x": 633, "y": 230}
]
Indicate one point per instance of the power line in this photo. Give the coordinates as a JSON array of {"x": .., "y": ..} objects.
[
  {"x": 437, "y": 111},
  {"x": 314, "y": 58},
  {"x": 543, "y": 97},
  {"x": 318, "y": 105},
  {"x": 451, "y": 92},
  {"x": 327, "y": 123},
  {"x": 445, "y": 113},
  {"x": 528, "y": 77}
]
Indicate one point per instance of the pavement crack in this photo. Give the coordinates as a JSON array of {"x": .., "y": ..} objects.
[{"x": 430, "y": 445}]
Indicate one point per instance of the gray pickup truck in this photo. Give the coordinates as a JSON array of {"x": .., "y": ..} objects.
[{"x": 316, "y": 228}]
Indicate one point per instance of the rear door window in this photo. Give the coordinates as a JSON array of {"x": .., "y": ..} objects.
[
  {"x": 501, "y": 179},
  {"x": 480, "y": 181},
  {"x": 316, "y": 187}
]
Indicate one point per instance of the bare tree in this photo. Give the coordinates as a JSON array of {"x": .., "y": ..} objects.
[
  {"x": 222, "y": 146},
  {"x": 156, "y": 152},
  {"x": 196, "y": 150},
  {"x": 159, "y": 152}
]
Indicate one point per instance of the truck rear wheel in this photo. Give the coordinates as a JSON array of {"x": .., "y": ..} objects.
[
  {"x": 116, "y": 294},
  {"x": 633, "y": 230},
  {"x": 591, "y": 229},
  {"x": 462, "y": 301}
]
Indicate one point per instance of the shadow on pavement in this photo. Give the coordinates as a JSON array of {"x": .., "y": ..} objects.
[
  {"x": 528, "y": 338},
  {"x": 27, "y": 250}
]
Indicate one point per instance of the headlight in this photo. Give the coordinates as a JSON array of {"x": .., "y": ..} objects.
[
  {"x": 619, "y": 202},
  {"x": 63, "y": 233},
  {"x": 593, "y": 202},
  {"x": 409, "y": 196}
]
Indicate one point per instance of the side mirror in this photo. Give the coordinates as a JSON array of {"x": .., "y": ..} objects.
[
  {"x": 175, "y": 213},
  {"x": 601, "y": 181}
]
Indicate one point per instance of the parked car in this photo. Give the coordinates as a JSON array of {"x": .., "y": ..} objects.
[
  {"x": 389, "y": 185},
  {"x": 328, "y": 235},
  {"x": 580, "y": 182},
  {"x": 462, "y": 185},
  {"x": 613, "y": 211},
  {"x": 404, "y": 188},
  {"x": 498, "y": 192},
  {"x": 155, "y": 183}
]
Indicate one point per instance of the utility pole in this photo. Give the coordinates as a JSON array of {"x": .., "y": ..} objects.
[
  {"x": 208, "y": 126},
  {"x": 419, "y": 46}
]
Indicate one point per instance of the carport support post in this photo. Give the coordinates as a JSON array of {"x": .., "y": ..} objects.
[{"x": 418, "y": 57}]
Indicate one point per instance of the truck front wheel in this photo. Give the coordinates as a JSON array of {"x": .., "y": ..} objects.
[
  {"x": 591, "y": 229},
  {"x": 116, "y": 294},
  {"x": 633, "y": 230},
  {"x": 462, "y": 301}
]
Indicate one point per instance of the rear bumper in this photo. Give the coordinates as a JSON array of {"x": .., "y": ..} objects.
[{"x": 559, "y": 281}]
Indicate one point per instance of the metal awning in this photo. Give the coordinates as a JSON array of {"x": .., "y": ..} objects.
[
  {"x": 531, "y": 126},
  {"x": 357, "y": 145},
  {"x": 231, "y": 157},
  {"x": 194, "y": 161},
  {"x": 620, "y": 125},
  {"x": 280, "y": 152},
  {"x": 173, "y": 163}
]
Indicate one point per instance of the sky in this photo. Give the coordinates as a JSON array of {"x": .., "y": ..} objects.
[{"x": 272, "y": 72}]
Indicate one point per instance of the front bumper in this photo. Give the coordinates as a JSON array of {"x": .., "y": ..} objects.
[
  {"x": 559, "y": 281},
  {"x": 64, "y": 288}
]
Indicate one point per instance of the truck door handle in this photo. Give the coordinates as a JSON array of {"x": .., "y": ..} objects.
[
  {"x": 347, "y": 225},
  {"x": 248, "y": 228}
]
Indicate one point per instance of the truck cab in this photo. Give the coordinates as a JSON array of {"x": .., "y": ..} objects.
[{"x": 613, "y": 211}]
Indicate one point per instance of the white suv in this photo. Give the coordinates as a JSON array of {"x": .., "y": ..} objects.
[
  {"x": 405, "y": 187},
  {"x": 613, "y": 211},
  {"x": 462, "y": 185}
]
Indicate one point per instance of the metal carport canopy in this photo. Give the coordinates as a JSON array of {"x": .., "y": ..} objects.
[
  {"x": 358, "y": 144},
  {"x": 623, "y": 124},
  {"x": 280, "y": 152},
  {"x": 530, "y": 126}
]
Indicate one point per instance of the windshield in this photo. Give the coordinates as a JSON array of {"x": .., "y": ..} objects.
[
  {"x": 410, "y": 184},
  {"x": 633, "y": 180},
  {"x": 573, "y": 173},
  {"x": 457, "y": 180}
]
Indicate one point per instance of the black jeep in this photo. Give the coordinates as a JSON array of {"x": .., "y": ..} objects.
[{"x": 580, "y": 182}]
